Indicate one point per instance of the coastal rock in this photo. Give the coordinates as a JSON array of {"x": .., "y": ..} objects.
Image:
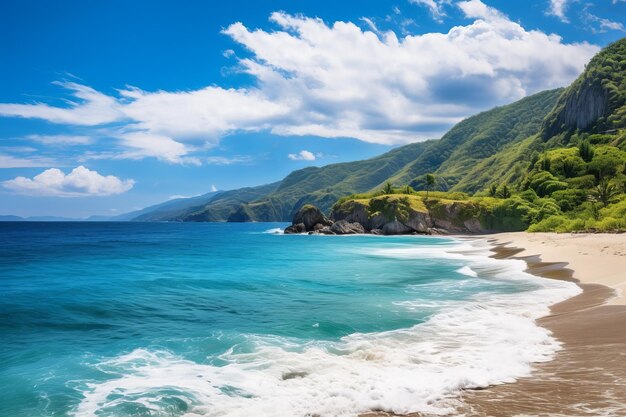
[
  {"x": 310, "y": 216},
  {"x": 343, "y": 227},
  {"x": 419, "y": 222},
  {"x": 352, "y": 212},
  {"x": 326, "y": 231},
  {"x": 396, "y": 228}
]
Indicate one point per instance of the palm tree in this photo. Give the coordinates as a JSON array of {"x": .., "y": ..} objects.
[
  {"x": 606, "y": 191},
  {"x": 504, "y": 192},
  {"x": 493, "y": 190},
  {"x": 430, "y": 181},
  {"x": 388, "y": 188}
]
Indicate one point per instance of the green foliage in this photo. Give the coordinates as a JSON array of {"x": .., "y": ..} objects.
[
  {"x": 585, "y": 151},
  {"x": 608, "y": 162},
  {"x": 544, "y": 183},
  {"x": 493, "y": 190},
  {"x": 504, "y": 192},
  {"x": 388, "y": 188},
  {"x": 569, "y": 199},
  {"x": 606, "y": 191}
]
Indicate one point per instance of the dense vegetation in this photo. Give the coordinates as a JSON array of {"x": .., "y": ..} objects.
[{"x": 558, "y": 159}]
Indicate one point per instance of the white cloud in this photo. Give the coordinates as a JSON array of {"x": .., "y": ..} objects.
[
  {"x": 177, "y": 196},
  {"x": 60, "y": 139},
  {"x": 91, "y": 108},
  {"x": 558, "y": 8},
  {"x": 600, "y": 25},
  {"x": 80, "y": 182},
  {"x": 9, "y": 161},
  {"x": 303, "y": 155},
  {"x": 436, "y": 7},
  {"x": 335, "y": 80},
  {"x": 224, "y": 160},
  {"x": 213, "y": 188}
]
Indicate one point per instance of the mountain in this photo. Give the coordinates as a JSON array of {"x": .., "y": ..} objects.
[
  {"x": 168, "y": 209},
  {"x": 11, "y": 218},
  {"x": 492, "y": 146}
]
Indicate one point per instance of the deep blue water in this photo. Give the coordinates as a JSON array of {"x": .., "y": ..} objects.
[{"x": 77, "y": 297}]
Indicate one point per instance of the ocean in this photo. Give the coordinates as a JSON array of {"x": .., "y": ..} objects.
[{"x": 215, "y": 319}]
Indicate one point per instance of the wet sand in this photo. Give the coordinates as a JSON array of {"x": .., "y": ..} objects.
[{"x": 587, "y": 377}]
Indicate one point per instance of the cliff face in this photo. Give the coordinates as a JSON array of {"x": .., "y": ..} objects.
[
  {"x": 406, "y": 214},
  {"x": 580, "y": 110},
  {"x": 593, "y": 102}
]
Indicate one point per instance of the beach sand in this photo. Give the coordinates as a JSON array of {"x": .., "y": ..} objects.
[{"x": 587, "y": 377}]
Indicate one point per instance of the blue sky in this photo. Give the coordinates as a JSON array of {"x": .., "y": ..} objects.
[{"x": 108, "y": 106}]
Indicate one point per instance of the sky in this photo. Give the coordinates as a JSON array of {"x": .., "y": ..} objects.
[{"x": 109, "y": 106}]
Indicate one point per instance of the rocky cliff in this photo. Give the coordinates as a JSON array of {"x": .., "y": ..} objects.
[
  {"x": 392, "y": 215},
  {"x": 596, "y": 100}
]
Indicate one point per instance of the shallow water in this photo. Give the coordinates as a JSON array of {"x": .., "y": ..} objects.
[{"x": 178, "y": 319}]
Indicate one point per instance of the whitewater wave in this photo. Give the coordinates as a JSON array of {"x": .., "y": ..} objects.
[
  {"x": 490, "y": 339},
  {"x": 274, "y": 231}
]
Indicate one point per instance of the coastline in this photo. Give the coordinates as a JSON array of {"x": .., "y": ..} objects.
[{"x": 588, "y": 376}]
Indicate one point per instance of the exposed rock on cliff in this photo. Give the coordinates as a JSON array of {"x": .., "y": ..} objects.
[{"x": 596, "y": 100}]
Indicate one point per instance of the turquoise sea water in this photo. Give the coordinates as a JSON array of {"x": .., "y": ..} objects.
[{"x": 177, "y": 319}]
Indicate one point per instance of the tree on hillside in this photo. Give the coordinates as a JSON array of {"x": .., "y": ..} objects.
[
  {"x": 504, "y": 192},
  {"x": 388, "y": 188},
  {"x": 585, "y": 150},
  {"x": 606, "y": 191},
  {"x": 493, "y": 190},
  {"x": 430, "y": 182}
]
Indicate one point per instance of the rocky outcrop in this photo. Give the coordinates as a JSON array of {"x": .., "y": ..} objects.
[
  {"x": 395, "y": 216},
  {"x": 309, "y": 218},
  {"x": 295, "y": 228},
  {"x": 343, "y": 227},
  {"x": 396, "y": 228}
]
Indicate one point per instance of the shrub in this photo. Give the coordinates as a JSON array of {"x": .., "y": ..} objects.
[{"x": 569, "y": 199}]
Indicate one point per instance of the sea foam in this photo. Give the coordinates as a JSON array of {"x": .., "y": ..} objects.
[{"x": 489, "y": 339}]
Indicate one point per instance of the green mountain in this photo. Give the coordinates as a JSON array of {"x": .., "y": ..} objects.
[{"x": 502, "y": 145}]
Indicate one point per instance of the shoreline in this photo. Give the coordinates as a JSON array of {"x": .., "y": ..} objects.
[{"x": 587, "y": 377}]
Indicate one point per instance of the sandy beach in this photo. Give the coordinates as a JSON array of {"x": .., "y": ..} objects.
[
  {"x": 594, "y": 258},
  {"x": 588, "y": 376}
]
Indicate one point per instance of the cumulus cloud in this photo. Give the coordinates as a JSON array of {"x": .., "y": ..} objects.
[
  {"x": 303, "y": 155},
  {"x": 558, "y": 8},
  {"x": 78, "y": 183},
  {"x": 334, "y": 80},
  {"x": 213, "y": 188}
]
